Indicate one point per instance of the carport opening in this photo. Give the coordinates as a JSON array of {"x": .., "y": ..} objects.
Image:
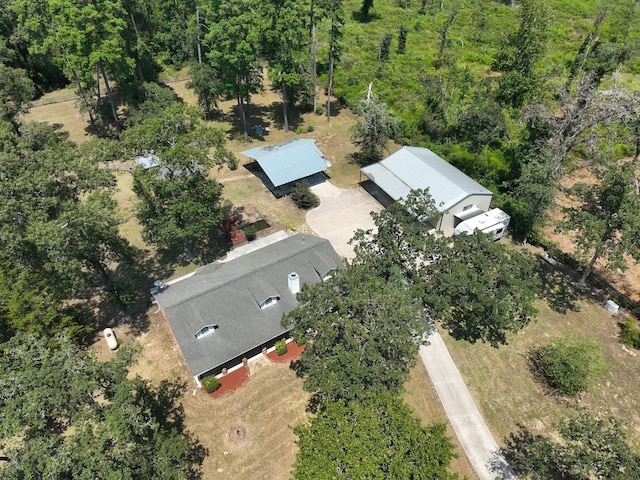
[{"x": 377, "y": 193}]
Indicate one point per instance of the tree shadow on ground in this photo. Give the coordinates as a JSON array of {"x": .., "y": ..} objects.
[
  {"x": 558, "y": 287},
  {"x": 277, "y": 116},
  {"x": 164, "y": 403},
  {"x": 359, "y": 17},
  {"x": 336, "y": 107},
  {"x": 128, "y": 297},
  {"x": 258, "y": 121}
]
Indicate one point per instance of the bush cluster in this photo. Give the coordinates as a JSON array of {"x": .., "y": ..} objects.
[
  {"x": 303, "y": 197},
  {"x": 210, "y": 384},
  {"x": 281, "y": 347},
  {"x": 251, "y": 231},
  {"x": 568, "y": 367},
  {"x": 630, "y": 333}
]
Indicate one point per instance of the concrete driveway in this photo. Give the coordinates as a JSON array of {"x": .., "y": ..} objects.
[{"x": 340, "y": 214}]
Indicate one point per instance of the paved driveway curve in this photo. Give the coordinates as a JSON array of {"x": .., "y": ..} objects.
[{"x": 340, "y": 214}]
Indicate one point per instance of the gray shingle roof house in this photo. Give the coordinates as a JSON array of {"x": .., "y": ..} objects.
[
  {"x": 230, "y": 310},
  {"x": 413, "y": 168},
  {"x": 289, "y": 161}
]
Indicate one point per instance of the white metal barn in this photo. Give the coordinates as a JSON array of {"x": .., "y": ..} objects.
[{"x": 456, "y": 195}]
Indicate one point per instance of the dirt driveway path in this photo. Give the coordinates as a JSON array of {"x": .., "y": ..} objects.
[{"x": 340, "y": 214}]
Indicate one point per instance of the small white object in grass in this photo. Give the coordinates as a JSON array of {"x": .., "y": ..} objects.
[
  {"x": 611, "y": 306},
  {"x": 110, "y": 337}
]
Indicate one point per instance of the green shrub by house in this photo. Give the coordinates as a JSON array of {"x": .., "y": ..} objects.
[
  {"x": 568, "y": 367},
  {"x": 210, "y": 384},
  {"x": 303, "y": 197},
  {"x": 281, "y": 347}
]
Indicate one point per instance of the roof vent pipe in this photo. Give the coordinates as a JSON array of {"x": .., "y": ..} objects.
[{"x": 294, "y": 282}]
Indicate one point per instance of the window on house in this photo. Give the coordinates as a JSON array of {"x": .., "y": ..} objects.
[
  {"x": 206, "y": 330},
  {"x": 269, "y": 301},
  {"x": 467, "y": 207}
]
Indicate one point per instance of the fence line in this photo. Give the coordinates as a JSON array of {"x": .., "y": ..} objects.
[{"x": 49, "y": 101}]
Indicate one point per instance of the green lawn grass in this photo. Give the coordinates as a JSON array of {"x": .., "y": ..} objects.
[{"x": 507, "y": 394}]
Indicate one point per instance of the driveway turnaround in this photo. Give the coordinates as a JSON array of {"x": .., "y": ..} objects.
[
  {"x": 340, "y": 214},
  {"x": 476, "y": 439}
]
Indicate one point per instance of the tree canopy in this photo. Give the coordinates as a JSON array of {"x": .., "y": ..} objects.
[
  {"x": 376, "y": 438},
  {"x": 362, "y": 334},
  {"x": 584, "y": 447},
  {"x": 180, "y": 206},
  {"x": 376, "y": 125},
  {"x": 476, "y": 288},
  {"x": 74, "y": 417}
]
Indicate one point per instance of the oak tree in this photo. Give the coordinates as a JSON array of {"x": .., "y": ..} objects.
[
  {"x": 75, "y": 417},
  {"x": 376, "y": 438},
  {"x": 362, "y": 334}
]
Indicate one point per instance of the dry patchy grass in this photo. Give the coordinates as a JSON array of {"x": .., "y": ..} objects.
[
  {"x": 507, "y": 394},
  {"x": 64, "y": 117},
  {"x": 627, "y": 282},
  {"x": 248, "y": 434}
]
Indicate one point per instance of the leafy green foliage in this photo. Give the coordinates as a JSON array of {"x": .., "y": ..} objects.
[
  {"x": 480, "y": 289},
  {"x": 281, "y": 347},
  {"x": 362, "y": 334},
  {"x": 367, "y": 5},
  {"x": 520, "y": 54},
  {"x": 29, "y": 305},
  {"x": 371, "y": 133},
  {"x": 588, "y": 448},
  {"x": 147, "y": 100},
  {"x": 210, "y": 384},
  {"x": 74, "y": 417},
  {"x": 476, "y": 288},
  {"x": 206, "y": 86},
  {"x": 286, "y": 49},
  {"x": 630, "y": 333},
  {"x": 303, "y": 197},
  {"x": 16, "y": 91},
  {"x": 402, "y": 40},
  {"x": 58, "y": 218},
  {"x": 374, "y": 438},
  {"x": 606, "y": 224},
  {"x": 568, "y": 367},
  {"x": 232, "y": 40},
  {"x": 180, "y": 207},
  {"x": 385, "y": 48}
]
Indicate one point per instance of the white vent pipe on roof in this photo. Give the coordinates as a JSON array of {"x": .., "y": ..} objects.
[{"x": 294, "y": 282}]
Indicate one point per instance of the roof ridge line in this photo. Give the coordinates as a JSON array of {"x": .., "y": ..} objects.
[{"x": 249, "y": 272}]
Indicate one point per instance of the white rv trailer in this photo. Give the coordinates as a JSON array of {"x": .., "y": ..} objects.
[{"x": 494, "y": 222}]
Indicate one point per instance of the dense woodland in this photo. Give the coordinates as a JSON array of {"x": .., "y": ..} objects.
[{"x": 516, "y": 94}]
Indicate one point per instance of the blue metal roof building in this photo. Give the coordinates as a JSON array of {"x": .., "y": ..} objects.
[{"x": 289, "y": 161}]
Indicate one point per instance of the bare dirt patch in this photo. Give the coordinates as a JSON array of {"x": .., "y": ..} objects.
[{"x": 627, "y": 282}]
